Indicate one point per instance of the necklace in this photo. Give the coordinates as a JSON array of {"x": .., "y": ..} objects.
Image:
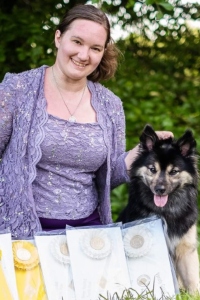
[{"x": 72, "y": 117}]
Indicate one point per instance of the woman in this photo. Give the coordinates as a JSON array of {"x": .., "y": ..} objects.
[{"x": 62, "y": 133}]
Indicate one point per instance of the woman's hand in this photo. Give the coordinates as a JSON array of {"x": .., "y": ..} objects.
[
  {"x": 131, "y": 156},
  {"x": 163, "y": 135}
]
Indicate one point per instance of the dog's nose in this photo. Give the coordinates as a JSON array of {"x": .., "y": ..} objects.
[{"x": 160, "y": 189}]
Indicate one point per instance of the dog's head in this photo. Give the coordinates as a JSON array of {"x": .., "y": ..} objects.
[{"x": 165, "y": 166}]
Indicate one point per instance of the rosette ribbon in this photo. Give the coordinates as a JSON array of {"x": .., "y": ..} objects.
[{"x": 28, "y": 273}]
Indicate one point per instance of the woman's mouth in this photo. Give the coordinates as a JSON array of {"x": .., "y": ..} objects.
[{"x": 78, "y": 64}]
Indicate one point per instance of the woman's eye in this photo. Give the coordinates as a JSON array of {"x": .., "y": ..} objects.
[
  {"x": 96, "y": 49},
  {"x": 77, "y": 42}
]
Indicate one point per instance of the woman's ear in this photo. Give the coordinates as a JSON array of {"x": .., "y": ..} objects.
[{"x": 57, "y": 38}]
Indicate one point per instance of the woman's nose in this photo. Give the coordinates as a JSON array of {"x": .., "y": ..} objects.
[{"x": 83, "y": 53}]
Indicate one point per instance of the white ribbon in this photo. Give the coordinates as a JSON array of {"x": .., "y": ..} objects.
[{"x": 137, "y": 241}]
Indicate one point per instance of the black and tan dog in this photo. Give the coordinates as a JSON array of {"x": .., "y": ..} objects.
[{"x": 164, "y": 181}]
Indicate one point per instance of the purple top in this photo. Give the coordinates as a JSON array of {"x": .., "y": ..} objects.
[
  {"x": 64, "y": 187},
  {"x": 23, "y": 115}
]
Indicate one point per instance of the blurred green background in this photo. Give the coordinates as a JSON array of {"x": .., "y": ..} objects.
[{"x": 158, "y": 78}]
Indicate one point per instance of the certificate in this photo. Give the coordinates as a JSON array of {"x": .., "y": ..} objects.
[
  {"x": 98, "y": 261},
  {"x": 55, "y": 264},
  {"x": 148, "y": 258}
]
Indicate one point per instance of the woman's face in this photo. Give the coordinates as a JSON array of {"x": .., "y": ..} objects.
[{"x": 80, "y": 48}]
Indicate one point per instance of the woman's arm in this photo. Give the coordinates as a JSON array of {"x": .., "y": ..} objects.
[{"x": 119, "y": 173}]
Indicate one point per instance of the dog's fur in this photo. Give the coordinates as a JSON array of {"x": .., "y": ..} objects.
[{"x": 163, "y": 182}]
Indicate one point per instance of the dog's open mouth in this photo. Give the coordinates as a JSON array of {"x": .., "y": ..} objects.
[{"x": 160, "y": 200}]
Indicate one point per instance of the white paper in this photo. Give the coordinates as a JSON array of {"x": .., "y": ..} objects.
[
  {"x": 93, "y": 276},
  {"x": 57, "y": 275},
  {"x": 7, "y": 263},
  {"x": 151, "y": 264}
]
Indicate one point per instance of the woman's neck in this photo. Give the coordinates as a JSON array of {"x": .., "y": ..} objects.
[{"x": 65, "y": 83}]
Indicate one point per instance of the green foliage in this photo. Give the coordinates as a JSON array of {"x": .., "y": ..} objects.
[
  {"x": 143, "y": 15},
  {"x": 131, "y": 294}
]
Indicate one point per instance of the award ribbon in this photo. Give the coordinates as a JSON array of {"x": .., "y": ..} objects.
[
  {"x": 96, "y": 244},
  {"x": 28, "y": 274},
  {"x": 5, "y": 293},
  {"x": 137, "y": 241},
  {"x": 59, "y": 249}
]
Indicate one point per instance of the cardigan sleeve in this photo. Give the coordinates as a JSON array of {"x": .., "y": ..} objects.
[
  {"x": 119, "y": 173},
  {"x": 7, "y": 106}
]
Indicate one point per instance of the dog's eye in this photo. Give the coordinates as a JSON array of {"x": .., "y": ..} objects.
[
  {"x": 173, "y": 172},
  {"x": 152, "y": 169}
]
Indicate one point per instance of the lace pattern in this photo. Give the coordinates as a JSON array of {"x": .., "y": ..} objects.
[
  {"x": 71, "y": 154},
  {"x": 22, "y": 118}
]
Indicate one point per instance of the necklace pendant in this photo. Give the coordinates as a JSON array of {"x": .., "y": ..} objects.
[{"x": 72, "y": 119}]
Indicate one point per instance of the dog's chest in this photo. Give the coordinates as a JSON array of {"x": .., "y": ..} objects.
[{"x": 172, "y": 242}]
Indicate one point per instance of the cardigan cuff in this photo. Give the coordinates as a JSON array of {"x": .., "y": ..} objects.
[{"x": 119, "y": 172}]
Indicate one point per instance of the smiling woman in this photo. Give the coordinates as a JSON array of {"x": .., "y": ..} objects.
[
  {"x": 66, "y": 150},
  {"x": 80, "y": 49},
  {"x": 62, "y": 133},
  {"x": 79, "y": 52}
]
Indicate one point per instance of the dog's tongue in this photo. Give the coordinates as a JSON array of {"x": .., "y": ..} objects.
[{"x": 160, "y": 200}]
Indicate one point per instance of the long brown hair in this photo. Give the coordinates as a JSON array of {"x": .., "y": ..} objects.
[{"x": 108, "y": 65}]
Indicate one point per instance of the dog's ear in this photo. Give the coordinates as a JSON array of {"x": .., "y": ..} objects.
[
  {"x": 148, "y": 137},
  {"x": 187, "y": 143}
]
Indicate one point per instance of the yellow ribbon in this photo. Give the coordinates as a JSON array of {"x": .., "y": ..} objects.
[
  {"x": 28, "y": 273},
  {"x": 5, "y": 293}
]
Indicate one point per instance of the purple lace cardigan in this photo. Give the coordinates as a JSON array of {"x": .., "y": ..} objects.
[{"x": 22, "y": 116}]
